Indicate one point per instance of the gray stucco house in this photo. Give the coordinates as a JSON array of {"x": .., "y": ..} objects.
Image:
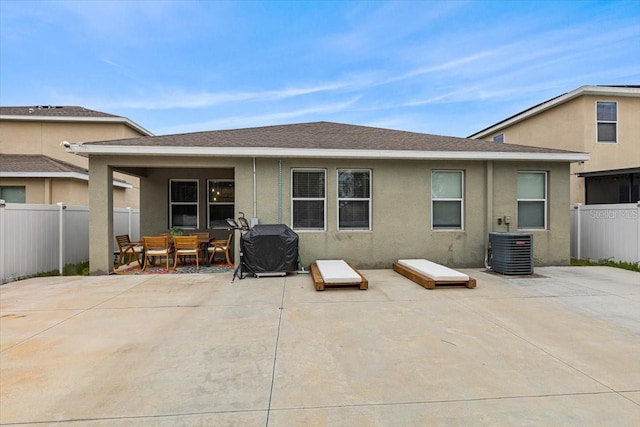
[{"x": 363, "y": 194}]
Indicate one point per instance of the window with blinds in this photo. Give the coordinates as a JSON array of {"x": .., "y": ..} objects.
[
  {"x": 607, "y": 121},
  {"x": 532, "y": 200},
  {"x": 308, "y": 199},
  {"x": 447, "y": 200},
  {"x": 183, "y": 203},
  {"x": 354, "y": 199}
]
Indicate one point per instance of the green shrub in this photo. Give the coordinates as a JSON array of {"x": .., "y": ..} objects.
[
  {"x": 607, "y": 262},
  {"x": 81, "y": 269}
]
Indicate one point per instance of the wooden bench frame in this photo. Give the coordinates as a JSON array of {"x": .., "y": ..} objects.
[
  {"x": 427, "y": 281},
  {"x": 320, "y": 284}
]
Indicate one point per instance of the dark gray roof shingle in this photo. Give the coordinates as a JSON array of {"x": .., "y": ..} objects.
[
  {"x": 30, "y": 163},
  {"x": 52, "y": 111},
  {"x": 324, "y": 135}
]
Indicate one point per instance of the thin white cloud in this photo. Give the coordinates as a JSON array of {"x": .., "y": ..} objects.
[{"x": 254, "y": 120}]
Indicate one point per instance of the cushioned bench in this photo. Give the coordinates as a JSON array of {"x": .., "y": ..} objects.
[
  {"x": 429, "y": 274},
  {"x": 329, "y": 272}
]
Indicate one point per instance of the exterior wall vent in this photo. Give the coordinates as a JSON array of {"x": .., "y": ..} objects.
[{"x": 511, "y": 253}]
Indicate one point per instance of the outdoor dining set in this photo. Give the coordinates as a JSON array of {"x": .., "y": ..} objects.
[{"x": 166, "y": 248}]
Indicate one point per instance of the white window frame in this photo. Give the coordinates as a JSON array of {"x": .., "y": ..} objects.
[
  {"x": 196, "y": 203},
  {"x": 598, "y": 121},
  {"x": 499, "y": 138},
  {"x": 353, "y": 199},
  {"x": 449, "y": 199},
  {"x": 211, "y": 183},
  {"x": 544, "y": 200},
  {"x": 324, "y": 200},
  {"x": 6, "y": 188}
]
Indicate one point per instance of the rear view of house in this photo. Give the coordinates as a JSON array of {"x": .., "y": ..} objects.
[{"x": 367, "y": 195}]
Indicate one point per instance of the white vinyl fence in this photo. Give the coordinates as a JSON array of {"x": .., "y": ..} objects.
[
  {"x": 30, "y": 236},
  {"x": 610, "y": 232}
]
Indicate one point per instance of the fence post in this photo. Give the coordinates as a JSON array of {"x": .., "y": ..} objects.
[
  {"x": 61, "y": 207},
  {"x": 638, "y": 240},
  {"x": 3, "y": 205},
  {"x": 578, "y": 230},
  {"x": 129, "y": 219}
]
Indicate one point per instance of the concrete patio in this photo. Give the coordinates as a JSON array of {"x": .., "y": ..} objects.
[{"x": 561, "y": 348}]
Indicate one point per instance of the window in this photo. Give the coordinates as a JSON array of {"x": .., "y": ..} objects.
[
  {"x": 221, "y": 194},
  {"x": 532, "y": 200},
  {"x": 183, "y": 203},
  {"x": 607, "y": 117},
  {"x": 354, "y": 199},
  {"x": 499, "y": 138},
  {"x": 308, "y": 200},
  {"x": 446, "y": 199},
  {"x": 13, "y": 193}
]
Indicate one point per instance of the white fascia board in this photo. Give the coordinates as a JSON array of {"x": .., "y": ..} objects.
[
  {"x": 583, "y": 90},
  {"x": 122, "y": 120},
  {"x": 67, "y": 175},
  {"x": 323, "y": 153}
]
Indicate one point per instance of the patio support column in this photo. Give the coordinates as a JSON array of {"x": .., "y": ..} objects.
[{"x": 100, "y": 217}]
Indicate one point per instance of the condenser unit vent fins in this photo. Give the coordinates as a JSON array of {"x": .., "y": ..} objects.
[{"x": 511, "y": 253}]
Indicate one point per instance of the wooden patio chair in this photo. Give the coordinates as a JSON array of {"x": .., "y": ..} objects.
[
  {"x": 221, "y": 246},
  {"x": 203, "y": 243},
  {"x": 185, "y": 246},
  {"x": 155, "y": 246},
  {"x": 128, "y": 250}
]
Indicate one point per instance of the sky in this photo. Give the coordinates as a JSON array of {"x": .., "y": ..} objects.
[{"x": 438, "y": 67}]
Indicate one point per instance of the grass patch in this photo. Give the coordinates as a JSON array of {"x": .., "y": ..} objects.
[
  {"x": 81, "y": 269},
  {"x": 632, "y": 266}
]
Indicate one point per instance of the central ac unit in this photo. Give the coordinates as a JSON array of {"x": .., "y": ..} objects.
[{"x": 511, "y": 253}]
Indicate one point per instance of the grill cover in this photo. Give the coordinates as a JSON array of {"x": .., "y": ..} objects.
[{"x": 269, "y": 248}]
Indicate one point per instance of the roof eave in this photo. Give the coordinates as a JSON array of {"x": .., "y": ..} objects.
[
  {"x": 583, "y": 90},
  {"x": 123, "y": 120},
  {"x": 59, "y": 175},
  {"x": 86, "y": 150}
]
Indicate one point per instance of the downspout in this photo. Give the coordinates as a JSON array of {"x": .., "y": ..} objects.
[
  {"x": 255, "y": 191},
  {"x": 279, "y": 191},
  {"x": 489, "y": 213}
]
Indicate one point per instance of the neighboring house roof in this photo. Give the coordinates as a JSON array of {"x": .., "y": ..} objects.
[
  {"x": 40, "y": 166},
  {"x": 610, "y": 172},
  {"x": 65, "y": 114},
  {"x": 628, "y": 90},
  {"x": 322, "y": 139}
]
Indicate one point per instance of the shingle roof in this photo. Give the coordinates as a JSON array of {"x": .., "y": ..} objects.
[
  {"x": 323, "y": 135},
  {"x": 52, "y": 111},
  {"x": 30, "y": 163}
]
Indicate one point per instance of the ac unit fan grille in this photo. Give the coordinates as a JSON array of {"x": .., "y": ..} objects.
[{"x": 511, "y": 253}]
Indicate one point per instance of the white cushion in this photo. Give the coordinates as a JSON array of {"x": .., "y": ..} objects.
[
  {"x": 156, "y": 252},
  {"x": 187, "y": 251},
  {"x": 337, "y": 271},
  {"x": 432, "y": 270}
]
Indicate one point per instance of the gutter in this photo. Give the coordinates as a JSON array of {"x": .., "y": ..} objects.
[
  {"x": 67, "y": 119},
  {"x": 87, "y": 149},
  {"x": 67, "y": 175}
]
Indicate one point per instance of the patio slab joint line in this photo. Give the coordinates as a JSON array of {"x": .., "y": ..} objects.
[
  {"x": 275, "y": 351},
  {"x": 69, "y": 318},
  {"x": 545, "y": 351}
]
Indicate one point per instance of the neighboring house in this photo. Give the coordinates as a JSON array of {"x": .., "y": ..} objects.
[
  {"x": 601, "y": 120},
  {"x": 363, "y": 194},
  {"x": 35, "y": 168}
]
